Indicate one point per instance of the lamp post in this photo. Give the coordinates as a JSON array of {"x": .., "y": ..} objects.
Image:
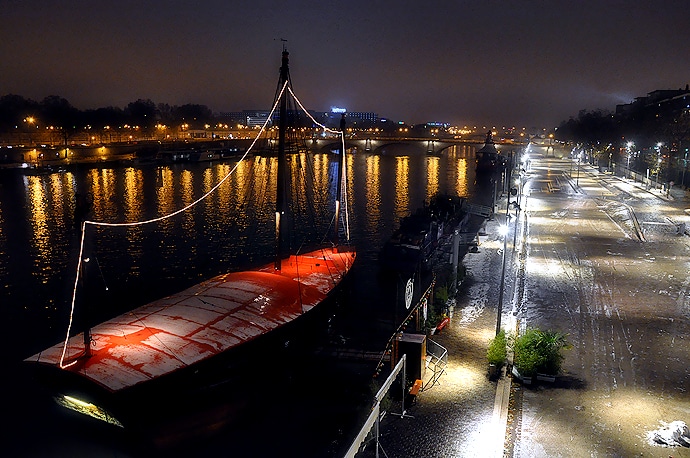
[
  {"x": 685, "y": 165},
  {"x": 504, "y": 231},
  {"x": 31, "y": 122},
  {"x": 629, "y": 151},
  {"x": 658, "y": 163}
]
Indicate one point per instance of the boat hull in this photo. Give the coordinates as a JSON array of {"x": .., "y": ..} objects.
[
  {"x": 199, "y": 345},
  {"x": 411, "y": 245}
]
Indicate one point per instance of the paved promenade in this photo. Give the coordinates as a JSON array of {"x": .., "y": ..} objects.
[{"x": 616, "y": 285}]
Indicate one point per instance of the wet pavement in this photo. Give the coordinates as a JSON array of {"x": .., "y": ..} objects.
[
  {"x": 598, "y": 258},
  {"x": 455, "y": 416}
]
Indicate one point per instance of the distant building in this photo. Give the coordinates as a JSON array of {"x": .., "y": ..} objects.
[
  {"x": 354, "y": 119},
  {"x": 257, "y": 118},
  {"x": 250, "y": 118},
  {"x": 363, "y": 118},
  {"x": 233, "y": 117},
  {"x": 661, "y": 103}
]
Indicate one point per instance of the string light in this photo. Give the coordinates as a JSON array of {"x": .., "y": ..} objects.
[
  {"x": 200, "y": 199},
  {"x": 342, "y": 143},
  {"x": 74, "y": 294},
  {"x": 149, "y": 221}
]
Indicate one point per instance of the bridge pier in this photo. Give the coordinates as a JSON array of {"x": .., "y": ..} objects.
[{"x": 430, "y": 146}]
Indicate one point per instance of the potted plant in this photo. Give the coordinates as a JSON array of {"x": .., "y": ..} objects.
[
  {"x": 525, "y": 358},
  {"x": 538, "y": 353},
  {"x": 497, "y": 353},
  {"x": 551, "y": 345}
]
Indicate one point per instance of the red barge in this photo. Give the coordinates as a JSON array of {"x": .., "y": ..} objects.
[{"x": 131, "y": 370}]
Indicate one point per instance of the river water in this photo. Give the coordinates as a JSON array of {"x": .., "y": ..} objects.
[{"x": 230, "y": 230}]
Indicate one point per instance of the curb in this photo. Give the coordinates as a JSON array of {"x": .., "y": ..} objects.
[{"x": 499, "y": 420}]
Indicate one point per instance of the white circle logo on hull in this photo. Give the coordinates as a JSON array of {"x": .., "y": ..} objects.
[{"x": 408, "y": 293}]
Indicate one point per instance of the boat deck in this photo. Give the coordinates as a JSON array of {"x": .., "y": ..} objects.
[{"x": 202, "y": 321}]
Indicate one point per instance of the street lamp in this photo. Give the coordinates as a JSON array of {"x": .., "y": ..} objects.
[
  {"x": 629, "y": 151},
  {"x": 658, "y": 162},
  {"x": 503, "y": 231},
  {"x": 31, "y": 121}
]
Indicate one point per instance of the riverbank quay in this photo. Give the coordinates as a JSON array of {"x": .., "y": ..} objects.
[
  {"x": 576, "y": 267},
  {"x": 464, "y": 413},
  {"x": 45, "y": 158}
]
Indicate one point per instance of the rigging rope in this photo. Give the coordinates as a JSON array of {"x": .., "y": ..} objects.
[
  {"x": 149, "y": 221},
  {"x": 342, "y": 142},
  {"x": 189, "y": 206}
]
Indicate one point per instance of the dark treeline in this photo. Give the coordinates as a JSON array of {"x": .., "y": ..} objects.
[
  {"x": 662, "y": 116},
  {"x": 644, "y": 128},
  {"x": 650, "y": 135},
  {"x": 17, "y": 112}
]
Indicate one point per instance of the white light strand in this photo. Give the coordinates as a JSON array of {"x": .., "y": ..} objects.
[
  {"x": 212, "y": 190},
  {"x": 342, "y": 142},
  {"x": 310, "y": 116},
  {"x": 74, "y": 295},
  {"x": 345, "y": 199},
  {"x": 137, "y": 223}
]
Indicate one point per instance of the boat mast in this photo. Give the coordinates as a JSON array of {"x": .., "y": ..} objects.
[
  {"x": 85, "y": 312},
  {"x": 281, "y": 200},
  {"x": 339, "y": 187}
]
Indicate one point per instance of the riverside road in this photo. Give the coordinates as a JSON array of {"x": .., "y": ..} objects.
[{"x": 580, "y": 265}]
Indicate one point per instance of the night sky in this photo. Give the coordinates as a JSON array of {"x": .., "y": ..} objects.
[{"x": 523, "y": 63}]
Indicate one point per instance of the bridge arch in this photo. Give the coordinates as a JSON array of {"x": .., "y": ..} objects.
[{"x": 391, "y": 146}]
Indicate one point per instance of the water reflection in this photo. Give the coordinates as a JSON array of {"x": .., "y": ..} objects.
[
  {"x": 40, "y": 237},
  {"x": 432, "y": 176},
  {"x": 373, "y": 193},
  {"x": 105, "y": 201},
  {"x": 324, "y": 170},
  {"x": 133, "y": 208},
  {"x": 211, "y": 203},
  {"x": 402, "y": 188},
  {"x": 461, "y": 171},
  {"x": 228, "y": 232}
]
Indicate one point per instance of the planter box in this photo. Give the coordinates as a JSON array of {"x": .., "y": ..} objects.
[
  {"x": 524, "y": 380},
  {"x": 546, "y": 378},
  {"x": 494, "y": 371}
]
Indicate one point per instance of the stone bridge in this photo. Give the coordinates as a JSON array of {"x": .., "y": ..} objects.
[{"x": 384, "y": 146}]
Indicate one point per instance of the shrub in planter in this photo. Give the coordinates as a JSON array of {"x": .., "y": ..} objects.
[
  {"x": 498, "y": 351},
  {"x": 525, "y": 358},
  {"x": 551, "y": 345},
  {"x": 538, "y": 351},
  {"x": 497, "y": 354}
]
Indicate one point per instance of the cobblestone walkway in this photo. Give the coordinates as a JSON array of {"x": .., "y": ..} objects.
[{"x": 454, "y": 417}]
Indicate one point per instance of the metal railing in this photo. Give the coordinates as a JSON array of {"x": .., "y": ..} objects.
[
  {"x": 436, "y": 360},
  {"x": 376, "y": 414}
]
